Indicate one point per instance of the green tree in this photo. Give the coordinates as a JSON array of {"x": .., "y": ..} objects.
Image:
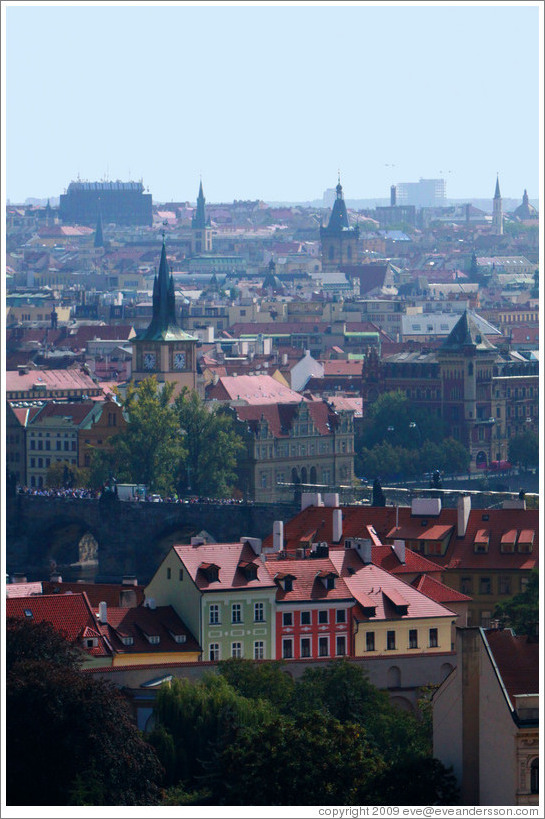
[
  {"x": 149, "y": 450},
  {"x": 212, "y": 445},
  {"x": 267, "y": 681},
  {"x": 393, "y": 418},
  {"x": 87, "y": 750},
  {"x": 524, "y": 449},
  {"x": 521, "y": 612},
  {"x": 64, "y": 474}
]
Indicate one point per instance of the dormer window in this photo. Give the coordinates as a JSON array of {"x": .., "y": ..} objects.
[
  {"x": 248, "y": 569},
  {"x": 508, "y": 540},
  {"x": 327, "y": 579},
  {"x": 525, "y": 541},
  {"x": 90, "y": 642},
  {"x": 285, "y": 581},
  {"x": 210, "y": 571},
  {"x": 153, "y": 639},
  {"x": 178, "y": 638},
  {"x": 127, "y": 640},
  {"x": 28, "y": 613},
  {"x": 481, "y": 541}
]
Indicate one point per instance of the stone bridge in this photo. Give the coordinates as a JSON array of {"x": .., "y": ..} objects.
[{"x": 89, "y": 539}]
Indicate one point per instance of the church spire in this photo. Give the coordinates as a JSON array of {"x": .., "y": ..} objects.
[
  {"x": 497, "y": 194},
  {"x": 199, "y": 219},
  {"x": 99, "y": 235}
]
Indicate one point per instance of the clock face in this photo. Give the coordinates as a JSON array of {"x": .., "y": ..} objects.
[
  {"x": 179, "y": 361},
  {"x": 149, "y": 361}
]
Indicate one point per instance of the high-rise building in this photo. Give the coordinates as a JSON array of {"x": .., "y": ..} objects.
[{"x": 426, "y": 193}]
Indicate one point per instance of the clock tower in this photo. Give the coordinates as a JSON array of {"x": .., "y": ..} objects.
[{"x": 164, "y": 349}]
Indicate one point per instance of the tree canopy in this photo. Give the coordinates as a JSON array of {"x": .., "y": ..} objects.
[
  {"x": 70, "y": 738},
  {"x": 524, "y": 449},
  {"x": 521, "y": 612}
]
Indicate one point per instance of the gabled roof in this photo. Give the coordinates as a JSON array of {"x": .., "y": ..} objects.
[
  {"x": 70, "y": 614},
  {"x": 50, "y": 379},
  {"x": 141, "y": 622},
  {"x": 387, "y": 593},
  {"x": 227, "y": 556},
  {"x": 437, "y": 591},
  {"x": 113, "y": 594},
  {"x": 280, "y": 417}
]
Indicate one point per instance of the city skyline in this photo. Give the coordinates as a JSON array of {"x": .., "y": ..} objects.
[{"x": 382, "y": 93}]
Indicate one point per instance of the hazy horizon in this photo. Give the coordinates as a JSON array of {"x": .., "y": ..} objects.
[{"x": 269, "y": 102}]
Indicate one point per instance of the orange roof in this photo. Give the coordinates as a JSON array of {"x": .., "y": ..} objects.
[
  {"x": 517, "y": 661},
  {"x": 140, "y": 622},
  {"x": 253, "y": 389},
  {"x": 438, "y": 591},
  {"x": 51, "y": 380},
  {"x": 307, "y": 581}
]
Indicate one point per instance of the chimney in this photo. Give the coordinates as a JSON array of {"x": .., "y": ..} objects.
[
  {"x": 464, "y": 508},
  {"x": 197, "y": 541},
  {"x": 399, "y": 549},
  {"x": 18, "y": 577},
  {"x": 331, "y": 499},
  {"x": 366, "y": 546},
  {"x": 151, "y": 604},
  {"x": 129, "y": 580},
  {"x": 311, "y": 499},
  {"x": 337, "y": 525},
  {"x": 284, "y": 359},
  {"x": 515, "y": 503},
  {"x": 102, "y": 613},
  {"x": 278, "y": 536},
  {"x": 55, "y": 578},
  {"x": 22, "y": 369}
]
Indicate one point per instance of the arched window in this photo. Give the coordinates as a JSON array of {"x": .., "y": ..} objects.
[
  {"x": 534, "y": 776},
  {"x": 394, "y": 677},
  {"x": 294, "y": 476},
  {"x": 313, "y": 474},
  {"x": 304, "y": 475}
]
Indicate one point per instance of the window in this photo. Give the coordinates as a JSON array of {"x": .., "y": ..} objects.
[
  {"x": 434, "y": 641},
  {"x": 214, "y": 614},
  {"x": 236, "y": 613},
  {"x": 323, "y": 646},
  {"x": 181, "y": 574},
  {"x": 169, "y": 573},
  {"x": 214, "y": 652},
  {"x": 236, "y": 650},
  {"x": 154, "y": 639},
  {"x": 466, "y": 585},
  {"x": 341, "y": 645},
  {"x": 259, "y": 612},
  {"x": 305, "y": 647},
  {"x": 485, "y": 586},
  {"x": 390, "y": 640},
  {"x": 287, "y": 618},
  {"x": 259, "y": 650},
  {"x": 340, "y": 616},
  {"x": 413, "y": 638},
  {"x": 505, "y": 584},
  {"x": 287, "y": 649},
  {"x": 370, "y": 641},
  {"x": 127, "y": 641},
  {"x": 534, "y": 776},
  {"x": 322, "y": 616},
  {"x": 305, "y": 618}
]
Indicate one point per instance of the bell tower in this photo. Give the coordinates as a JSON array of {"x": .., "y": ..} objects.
[
  {"x": 339, "y": 240},
  {"x": 164, "y": 349},
  {"x": 201, "y": 232}
]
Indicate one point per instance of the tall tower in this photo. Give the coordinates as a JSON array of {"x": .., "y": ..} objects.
[
  {"x": 201, "y": 232},
  {"x": 497, "y": 213},
  {"x": 339, "y": 240},
  {"x": 164, "y": 349}
]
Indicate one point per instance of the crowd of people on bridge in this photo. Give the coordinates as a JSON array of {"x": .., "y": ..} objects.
[{"x": 94, "y": 494}]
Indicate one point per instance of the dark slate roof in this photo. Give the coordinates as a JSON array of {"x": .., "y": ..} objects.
[
  {"x": 163, "y": 325},
  {"x": 467, "y": 332}
]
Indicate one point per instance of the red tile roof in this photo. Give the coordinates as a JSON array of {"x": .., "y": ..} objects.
[
  {"x": 517, "y": 661},
  {"x": 139, "y": 623},
  {"x": 23, "y": 589},
  {"x": 51, "y": 379},
  {"x": 437, "y": 591},
  {"x": 113, "y": 594},
  {"x": 307, "y": 582},
  {"x": 253, "y": 389},
  {"x": 387, "y": 593},
  {"x": 460, "y": 552},
  {"x": 70, "y": 614},
  {"x": 227, "y": 556},
  {"x": 280, "y": 417}
]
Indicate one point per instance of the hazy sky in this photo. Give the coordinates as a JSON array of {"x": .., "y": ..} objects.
[{"x": 269, "y": 101}]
